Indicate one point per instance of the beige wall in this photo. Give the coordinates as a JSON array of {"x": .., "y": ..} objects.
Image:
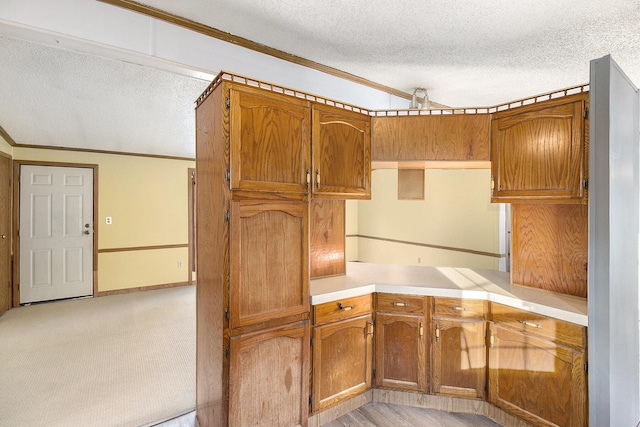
[
  {"x": 147, "y": 199},
  {"x": 456, "y": 213}
]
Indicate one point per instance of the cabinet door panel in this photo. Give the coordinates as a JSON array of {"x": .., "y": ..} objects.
[
  {"x": 401, "y": 352},
  {"x": 538, "y": 152},
  {"x": 269, "y": 377},
  {"x": 270, "y": 139},
  {"x": 341, "y": 153},
  {"x": 269, "y": 261},
  {"x": 342, "y": 360},
  {"x": 459, "y": 358},
  {"x": 431, "y": 137},
  {"x": 537, "y": 380}
]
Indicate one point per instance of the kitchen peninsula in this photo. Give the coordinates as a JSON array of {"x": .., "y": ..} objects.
[{"x": 446, "y": 338}]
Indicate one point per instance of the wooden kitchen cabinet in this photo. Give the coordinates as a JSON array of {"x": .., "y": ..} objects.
[
  {"x": 537, "y": 368},
  {"x": 401, "y": 345},
  {"x": 458, "y": 137},
  {"x": 269, "y": 275},
  {"x": 341, "y": 141},
  {"x": 342, "y": 350},
  {"x": 342, "y": 361},
  {"x": 286, "y": 144},
  {"x": 268, "y": 381},
  {"x": 458, "y": 351},
  {"x": 538, "y": 152},
  {"x": 270, "y": 141},
  {"x": 252, "y": 302}
]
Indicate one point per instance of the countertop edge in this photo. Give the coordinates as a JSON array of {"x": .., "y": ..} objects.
[{"x": 354, "y": 283}]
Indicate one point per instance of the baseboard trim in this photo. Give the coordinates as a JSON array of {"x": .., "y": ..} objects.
[
  {"x": 141, "y": 288},
  {"x": 335, "y": 412},
  {"x": 448, "y": 404}
]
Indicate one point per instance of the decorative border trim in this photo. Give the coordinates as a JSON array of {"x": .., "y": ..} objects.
[
  {"x": 428, "y": 245},
  {"x": 143, "y": 248}
]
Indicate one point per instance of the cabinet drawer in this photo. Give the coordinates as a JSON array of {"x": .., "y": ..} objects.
[
  {"x": 397, "y": 303},
  {"x": 342, "y": 309},
  {"x": 549, "y": 328},
  {"x": 459, "y": 308}
]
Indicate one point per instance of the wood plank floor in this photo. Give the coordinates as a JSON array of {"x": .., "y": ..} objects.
[
  {"x": 386, "y": 415},
  {"x": 380, "y": 415}
]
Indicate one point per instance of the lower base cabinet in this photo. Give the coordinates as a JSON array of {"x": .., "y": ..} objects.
[
  {"x": 269, "y": 377},
  {"x": 459, "y": 358},
  {"x": 537, "y": 380},
  {"x": 342, "y": 361},
  {"x": 401, "y": 343}
]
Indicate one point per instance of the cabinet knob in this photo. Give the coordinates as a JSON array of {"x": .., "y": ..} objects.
[
  {"x": 3, "y": 236},
  {"x": 318, "y": 178},
  {"x": 458, "y": 308}
]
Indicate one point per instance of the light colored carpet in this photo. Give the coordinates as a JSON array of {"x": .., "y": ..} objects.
[{"x": 120, "y": 360}]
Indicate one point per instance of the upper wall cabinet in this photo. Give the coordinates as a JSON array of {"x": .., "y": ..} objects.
[
  {"x": 341, "y": 141},
  {"x": 538, "y": 152},
  {"x": 270, "y": 137},
  {"x": 456, "y": 137},
  {"x": 278, "y": 145}
]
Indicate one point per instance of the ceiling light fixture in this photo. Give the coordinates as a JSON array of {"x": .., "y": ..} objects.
[{"x": 415, "y": 101}]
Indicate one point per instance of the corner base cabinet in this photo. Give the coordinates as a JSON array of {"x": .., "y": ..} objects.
[{"x": 537, "y": 368}]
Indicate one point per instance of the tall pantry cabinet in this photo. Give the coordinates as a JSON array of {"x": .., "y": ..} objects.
[{"x": 256, "y": 171}]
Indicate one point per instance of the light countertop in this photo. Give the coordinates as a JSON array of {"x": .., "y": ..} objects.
[{"x": 366, "y": 278}]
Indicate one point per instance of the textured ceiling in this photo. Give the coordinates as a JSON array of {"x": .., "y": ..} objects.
[
  {"x": 56, "y": 97},
  {"x": 466, "y": 53}
]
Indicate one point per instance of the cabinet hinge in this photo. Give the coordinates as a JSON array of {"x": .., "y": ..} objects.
[
  {"x": 226, "y": 314},
  {"x": 585, "y": 184},
  {"x": 227, "y": 353},
  {"x": 227, "y": 175},
  {"x": 586, "y": 113},
  {"x": 227, "y": 103},
  {"x": 311, "y": 341},
  {"x": 226, "y": 216},
  {"x": 310, "y": 400},
  {"x": 374, "y": 374},
  {"x": 586, "y": 367}
]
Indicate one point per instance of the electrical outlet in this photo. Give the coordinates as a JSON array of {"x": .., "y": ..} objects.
[
  {"x": 179, "y": 264},
  {"x": 108, "y": 220},
  {"x": 419, "y": 260}
]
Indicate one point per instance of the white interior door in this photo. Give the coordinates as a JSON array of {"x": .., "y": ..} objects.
[{"x": 56, "y": 232}]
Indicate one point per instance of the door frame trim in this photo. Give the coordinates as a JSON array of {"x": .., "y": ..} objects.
[
  {"x": 192, "y": 235},
  {"x": 16, "y": 219}
]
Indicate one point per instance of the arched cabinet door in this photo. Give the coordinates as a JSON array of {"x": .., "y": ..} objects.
[
  {"x": 341, "y": 145},
  {"x": 269, "y": 267}
]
